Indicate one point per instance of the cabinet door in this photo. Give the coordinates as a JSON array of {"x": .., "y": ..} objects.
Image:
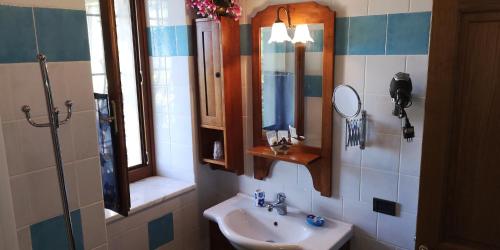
[{"x": 209, "y": 73}]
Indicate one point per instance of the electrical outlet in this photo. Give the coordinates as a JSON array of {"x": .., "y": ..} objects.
[{"x": 384, "y": 206}]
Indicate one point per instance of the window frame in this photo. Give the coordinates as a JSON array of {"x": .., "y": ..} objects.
[{"x": 125, "y": 174}]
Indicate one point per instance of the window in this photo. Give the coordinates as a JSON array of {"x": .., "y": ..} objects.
[{"x": 122, "y": 92}]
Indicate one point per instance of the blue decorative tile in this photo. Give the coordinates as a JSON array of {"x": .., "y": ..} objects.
[
  {"x": 408, "y": 34},
  {"x": 341, "y": 35},
  {"x": 17, "y": 42},
  {"x": 317, "y": 45},
  {"x": 161, "y": 231},
  {"x": 246, "y": 39},
  {"x": 183, "y": 34},
  {"x": 51, "y": 234},
  {"x": 62, "y": 34},
  {"x": 313, "y": 86},
  {"x": 162, "y": 41},
  {"x": 367, "y": 35}
]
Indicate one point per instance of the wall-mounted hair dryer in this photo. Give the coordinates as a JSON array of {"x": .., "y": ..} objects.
[{"x": 400, "y": 91}]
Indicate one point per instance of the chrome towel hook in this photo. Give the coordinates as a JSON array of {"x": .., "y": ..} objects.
[{"x": 27, "y": 112}]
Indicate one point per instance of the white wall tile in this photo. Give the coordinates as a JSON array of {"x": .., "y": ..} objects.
[
  {"x": 75, "y": 80},
  {"x": 284, "y": 173},
  {"x": 410, "y": 157},
  {"x": 22, "y": 81},
  {"x": 247, "y": 184},
  {"x": 312, "y": 121},
  {"x": 182, "y": 160},
  {"x": 398, "y": 230},
  {"x": 84, "y": 134},
  {"x": 349, "y": 182},
  {"x": 31, "y": 149},
  {"x": 181, "y": 131},
  {"x": 179, "y": 102},
  {"x": 313, "y": 63},
  {"x": 350, "y": 70},
  {"x": 89, "y": 181},
  {"x": 36, "y": 196},
  {"x": 420, "y": 5},
  {"x": 408, "y": 193},
  {"x": 379, "y": 184},
  {"x": 93, "y": 226},
  {"x": 378, "y": 7},
  {"x": 361, "y": 215},
  {"x": 382, "y": 152},
  {"x": 304, "y": 178},
  {"x": 379, "y": 115},
  {"x": 350, "y": 7},
  {"x": 416, "y": 66},
  {"x": 163, "y": 158},
  {"x": 299, "y": 197},
  {"x": 133, "y": 239},
  {"x": 379, "y": 72},
  {"x": 329, "y": 207}
]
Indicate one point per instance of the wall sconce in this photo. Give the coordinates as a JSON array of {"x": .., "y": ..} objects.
[
  {"x": 302, "y": 34},
  {"x": 279, "y": 31}
]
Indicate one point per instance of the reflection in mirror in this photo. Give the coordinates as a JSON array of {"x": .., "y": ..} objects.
[
  {"x": 292, "y": 77},
  {"x": 346, "y": 101}
]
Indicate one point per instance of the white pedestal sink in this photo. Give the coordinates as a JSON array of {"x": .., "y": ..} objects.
[{"x": 253, "y": 228}]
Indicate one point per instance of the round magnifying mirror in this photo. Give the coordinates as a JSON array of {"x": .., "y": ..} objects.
[{"x": 346, "y": 101}]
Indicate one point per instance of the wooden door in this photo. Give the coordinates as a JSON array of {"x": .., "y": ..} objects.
[
  {"x": 209, "y": 73},
  {"x": 459, "y": 206}
]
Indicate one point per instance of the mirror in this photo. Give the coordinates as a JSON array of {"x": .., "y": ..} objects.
[
  {"x": 346, "y": 101},
  {"x": 292, "y": 84},
  {"x": 292, "y": 77}
]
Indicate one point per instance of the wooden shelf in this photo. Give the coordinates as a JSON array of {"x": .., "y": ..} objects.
[
  {"x": 296, "y": 154},
  {"x": 215, "y": 162},
  {"x": 212, "y": 127}
]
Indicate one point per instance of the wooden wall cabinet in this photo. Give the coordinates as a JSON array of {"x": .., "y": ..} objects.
[{"x": 219, "y": 92}]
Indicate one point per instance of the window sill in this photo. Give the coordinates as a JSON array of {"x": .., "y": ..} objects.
[{"x": 151, "y": 191}]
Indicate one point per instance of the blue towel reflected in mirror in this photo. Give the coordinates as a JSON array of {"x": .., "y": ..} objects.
[{"x": 278, "y": 100}]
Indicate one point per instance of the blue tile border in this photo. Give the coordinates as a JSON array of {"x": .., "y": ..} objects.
[
  {"x": 161, "y": 231},
  {"x": 62, "y": 34},
  {"x": 341, "y": 35},
  {"x": 408, "y": 33},
  {"x": 367, "y": 35},
  {"x": 51, "y": 234},
  {"x": 313, "y": 86},
  {"x": 17, "y": 32}
]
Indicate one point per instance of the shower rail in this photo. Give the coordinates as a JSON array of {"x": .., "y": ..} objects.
[{"x": 54, "y": 123}]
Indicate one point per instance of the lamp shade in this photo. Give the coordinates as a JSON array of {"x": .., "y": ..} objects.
[
  {"x": 302, "y": 34},
  {"x": 279, "y": 33}
]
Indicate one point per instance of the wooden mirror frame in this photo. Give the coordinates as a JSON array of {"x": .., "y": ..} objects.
[{"x": 320, "y": 167}]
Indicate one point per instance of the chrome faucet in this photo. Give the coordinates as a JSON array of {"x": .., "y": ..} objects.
[{"x": 279, "y": 204}]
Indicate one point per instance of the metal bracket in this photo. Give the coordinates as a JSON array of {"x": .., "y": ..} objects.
[{"x": 355, "y": 131}]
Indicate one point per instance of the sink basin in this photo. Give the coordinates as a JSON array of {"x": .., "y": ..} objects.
[{"x": 248, "y": 227}]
